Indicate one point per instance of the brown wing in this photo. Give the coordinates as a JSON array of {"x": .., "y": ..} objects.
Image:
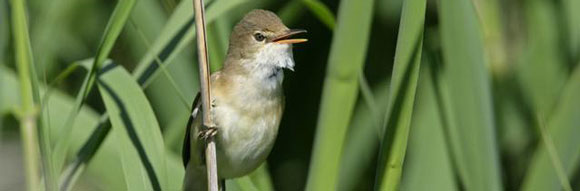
[{"x": 193, "y": 126}]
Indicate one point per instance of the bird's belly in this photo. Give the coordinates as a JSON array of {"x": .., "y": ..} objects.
[{"x": 244, "y": 139}]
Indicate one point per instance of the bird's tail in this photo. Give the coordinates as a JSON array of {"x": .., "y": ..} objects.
[{"x": 195, "y": 178}]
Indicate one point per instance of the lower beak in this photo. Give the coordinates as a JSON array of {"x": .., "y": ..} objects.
[{"x": 285, "y": 38}]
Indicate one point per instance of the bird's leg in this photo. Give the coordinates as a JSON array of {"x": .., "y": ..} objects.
[{"x": 208, "y": 132}]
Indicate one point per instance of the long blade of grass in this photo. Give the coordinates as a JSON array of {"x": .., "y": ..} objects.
[
  {"x": 451, "y": 136},
  {"x": 47, "y": 124},
  {"x": 29, "y": 95},
  {"x": 136, "y": 129},
  {"x": 562, "y": 127},
  {"x": 402, "y": 98},
  {"x": 102, "y": 166},
  {"x": 429, "y": 166},
  {"x": 72, "y": 172},
  {"x": 552, "y": 153},
  {"x": 50, "y": 177},
  {"x": 468, "y": 87},
  {"x": 339, "y": 94},
  {"x": 165, "y": 71},
  {"x": 86, "y": 153},
  {"x": 150, "y": 19},
  {"x": 362, "y": 142},
  {"x": 572, "y": 17},
  {"x": 114, "y": 27},
  {"x": 163, "y": 96},
  {"x": 178, "y": 25},
  {"x": 542, "y": 71},
  {"x": 542, "y": 74}
]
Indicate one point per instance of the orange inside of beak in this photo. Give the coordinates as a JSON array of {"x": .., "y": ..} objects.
[{"x": 292, "y": 41}]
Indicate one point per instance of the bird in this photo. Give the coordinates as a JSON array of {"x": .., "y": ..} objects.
[{"x": 247, "y": 100}]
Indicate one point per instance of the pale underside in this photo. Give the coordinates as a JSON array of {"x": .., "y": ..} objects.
[{"x": 247, "y": 109}]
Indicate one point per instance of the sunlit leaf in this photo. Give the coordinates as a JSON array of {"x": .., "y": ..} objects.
[
  {"x": 339, "y": 94},
  {"x": 136, "y": 129}
]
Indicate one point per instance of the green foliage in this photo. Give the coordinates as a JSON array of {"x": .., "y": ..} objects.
[
  {"x": 339, "y": 92},
  {"x": 322, "y": 12},
  {"x": 86, "y": 122},
  {"x": 429, "y": 162},
  {"x": 468, "y": 102},
  {"x": 29, "y": 100},
  {"x": 456, "y": 95},
  {"x": 363, "y": 141},
  {"x": 561, "y": 126},
  {"x": 114, "y": 28},
  {"x": 402, "y": 98},
  {"x": 542, "y": 83},
  {"x": 136, "y": 129}
]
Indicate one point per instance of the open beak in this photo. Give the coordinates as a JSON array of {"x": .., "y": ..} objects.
[{"x": 285, "y": 38}]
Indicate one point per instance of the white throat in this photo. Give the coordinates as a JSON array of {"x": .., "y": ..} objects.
[{"x": 268, "y": 65}]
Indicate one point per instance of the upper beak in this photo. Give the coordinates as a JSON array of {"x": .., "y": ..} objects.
[{"x": 285, "y": 38}]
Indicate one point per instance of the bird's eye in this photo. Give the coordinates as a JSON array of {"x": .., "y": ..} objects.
[{"x": 259, "y": 37}]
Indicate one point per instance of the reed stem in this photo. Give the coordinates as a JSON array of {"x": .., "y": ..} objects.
[
  {"x": 204, "y": 76},
  {"x": 28, "y": 115}
]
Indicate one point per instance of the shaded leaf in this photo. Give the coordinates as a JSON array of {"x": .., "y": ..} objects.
[
  {"x": 542, "y": 73},
  {"x": 363, "y": 141},
  {"x": 429, "y": 166},
  {"x": 322, "y": 12},
  {"x": 562, "y": 127},
  {"x": 467, "y": 97}
]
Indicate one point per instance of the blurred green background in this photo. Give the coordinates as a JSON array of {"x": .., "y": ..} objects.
[{"x": 386, "y": 94}]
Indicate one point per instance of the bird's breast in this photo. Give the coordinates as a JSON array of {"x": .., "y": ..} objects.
[{"x": 247, "y": 130}]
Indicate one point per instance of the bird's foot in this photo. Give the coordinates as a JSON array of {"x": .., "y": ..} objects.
[{"x": 208, "y": 132}]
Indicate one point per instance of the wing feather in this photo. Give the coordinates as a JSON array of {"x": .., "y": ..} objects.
[{"x": 192, "y": 128}]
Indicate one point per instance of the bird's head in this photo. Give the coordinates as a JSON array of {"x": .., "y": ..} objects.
[{"x": 260, "y": 39}]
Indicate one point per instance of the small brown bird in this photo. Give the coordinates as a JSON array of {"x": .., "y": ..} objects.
[{"x": 247, "y": 100}]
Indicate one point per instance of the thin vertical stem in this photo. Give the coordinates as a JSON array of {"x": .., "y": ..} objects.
[
  {"x": 28, "y": 112},
  {"x": 553, "y": 154},
  {"x": 204, "y": 75},
  {"x": 30, "y": 144}
]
